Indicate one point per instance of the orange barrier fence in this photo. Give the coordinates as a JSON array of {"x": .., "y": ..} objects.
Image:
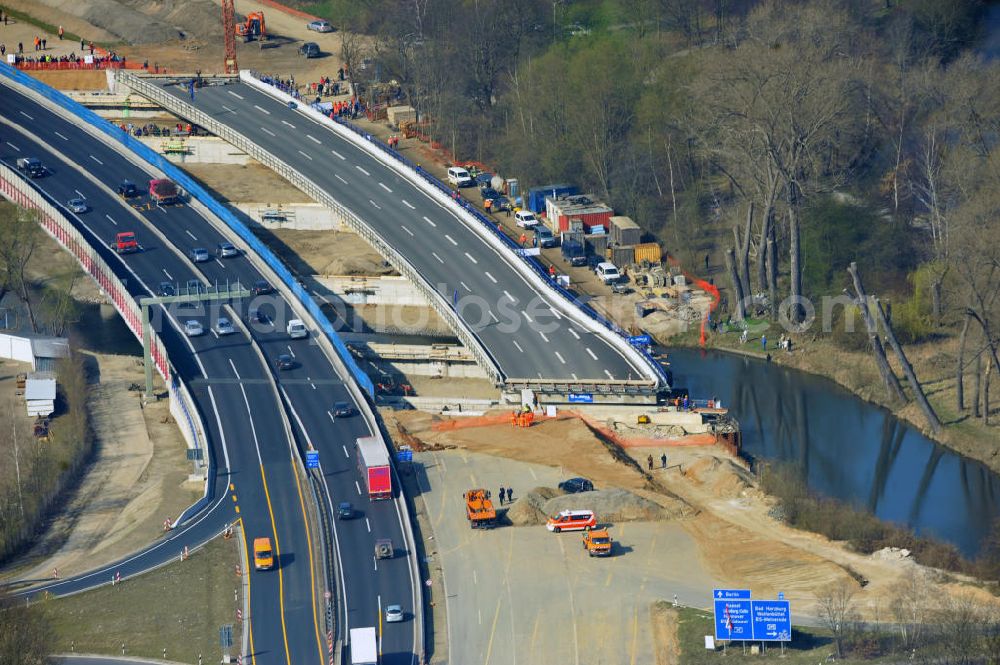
[{"x": 75, "y": 66}]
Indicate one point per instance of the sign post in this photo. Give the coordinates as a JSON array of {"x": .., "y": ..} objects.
[
  {"x": 737, "y": 617},
  {"x": 312, "y": 459}
]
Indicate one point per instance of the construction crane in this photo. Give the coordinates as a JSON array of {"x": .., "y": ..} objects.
[{"x": 229, "y": 31}]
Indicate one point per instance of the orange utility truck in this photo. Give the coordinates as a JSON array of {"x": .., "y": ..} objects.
[{"x": 479, "y": 510}]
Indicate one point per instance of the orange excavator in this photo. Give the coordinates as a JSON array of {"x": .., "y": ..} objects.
[
  {"x": 479, "y": 509},
  {"x": 252, "y": 28}
]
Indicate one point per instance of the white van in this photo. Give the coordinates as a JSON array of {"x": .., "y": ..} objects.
[
  {"x": 459, "y": 177},
  {"x": 296, "y": 329},
  {"x": 525, "y": 219},
  {"x": 608, "y": 272}
]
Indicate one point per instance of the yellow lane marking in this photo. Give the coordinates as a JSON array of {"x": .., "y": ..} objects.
[
  {"x": 312, "y": 576},
  {"x": 277, "y": 554}
]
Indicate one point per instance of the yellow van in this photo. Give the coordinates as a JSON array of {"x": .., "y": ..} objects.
[{"x": 263, "y": 555}]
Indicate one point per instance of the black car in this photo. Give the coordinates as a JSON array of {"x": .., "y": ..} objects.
[
  {"x": 345, "y": 510},
  {"x": 490, "y": 193},
  {"x": 575, "y": 485},
  {"x": 257, "y": 316},
  {"x": 166, "y": 290},
  {"x": 285, "y": 361},
  {"x": 127, "y": 189},
  {"x": 261, "y": 288},
  {"x": 309, "y": 50},
  {"x": 342, "y": 409}
]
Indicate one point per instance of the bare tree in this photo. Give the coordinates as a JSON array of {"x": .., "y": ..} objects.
[
  {"x": 20, "y": 236},
  {"x": 910, "y": 606},
  {"x": 836, "y": 611},
  {"x": 892, "y": 386},
  {"x": 24, "y": 634}
]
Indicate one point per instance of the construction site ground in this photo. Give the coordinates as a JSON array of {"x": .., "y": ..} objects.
[
  {"x": 542, "y": 587},
  {"x": 138, "y": 478}
]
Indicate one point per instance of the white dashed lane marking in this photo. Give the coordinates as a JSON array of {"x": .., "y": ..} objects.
[
  {"x": 362, "y": 170},
  {"x": 262, "y": 110}
]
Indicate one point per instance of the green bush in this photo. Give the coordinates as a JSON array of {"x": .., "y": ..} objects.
[{"x": 863, "y": 531}]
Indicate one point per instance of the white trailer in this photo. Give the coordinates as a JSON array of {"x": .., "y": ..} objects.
[{"x": 364, "y": 646}]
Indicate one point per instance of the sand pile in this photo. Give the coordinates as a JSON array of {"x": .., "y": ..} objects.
[
  {"x": 722, "y": 477},
  {"x": 616, "y": 505},
  {"x": 529, "y": 509},
  {"x": 143, "y": 22}
]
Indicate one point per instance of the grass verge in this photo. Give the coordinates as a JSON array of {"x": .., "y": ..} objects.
[
  {"x": 178, "y": 607},
  {"x": 808, "y": 646},
  {"x": 47, "y": 27}
]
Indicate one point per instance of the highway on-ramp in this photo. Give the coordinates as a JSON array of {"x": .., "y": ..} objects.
[
  {"x": 238, "y": 404},
  {"x": 514, "y": 319}
]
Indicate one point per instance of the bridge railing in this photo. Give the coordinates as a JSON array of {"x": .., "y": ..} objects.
[
  {"x": 60, "y": 228},
  {"x": 483, "y": 223},
  {"x": 198, "y": 192},
  {"x": 395, "y": 258}
]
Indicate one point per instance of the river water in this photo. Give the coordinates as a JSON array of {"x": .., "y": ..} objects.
[{"x": 848, "y": 449}]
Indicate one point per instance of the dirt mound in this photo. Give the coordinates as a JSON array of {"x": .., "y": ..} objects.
[
  {"x": 722, "y": 477},
  {"x": 567, "y": 443},
  {"x": 529, "y": 509},
  {"x": 616, "y": 505},
  {"x": 143, "y": 22}
]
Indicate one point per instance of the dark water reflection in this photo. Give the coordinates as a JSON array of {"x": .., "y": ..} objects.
[{"x": 848, "y": 449}]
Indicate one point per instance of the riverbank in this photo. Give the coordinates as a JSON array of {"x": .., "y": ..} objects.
[{"x": 933, "y": 362}]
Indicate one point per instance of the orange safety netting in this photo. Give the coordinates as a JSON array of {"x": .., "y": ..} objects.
[{"x": 704, "y": 286}]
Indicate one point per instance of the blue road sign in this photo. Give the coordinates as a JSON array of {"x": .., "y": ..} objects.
[
  {"x": 581, "y": 398},
  {"x": 731, "y": 594},
  {"x": 772, "y": 620},
  {"x": 640, "y": 340},
  {"x": 739, "y": 618},
  {"x": 404, "y": 456},
  {"x": 312, "y": 459},
  {"x": 781, "y": 595},
  {"x": 733, "y": 620}
]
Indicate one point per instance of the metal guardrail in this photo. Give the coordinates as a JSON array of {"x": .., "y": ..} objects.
[
  {"x": 157, "y": 161},
  {"x": 56, "y": 225},
  {"x": 396, "y": 259},
  {"x": 534, "y": 267}
]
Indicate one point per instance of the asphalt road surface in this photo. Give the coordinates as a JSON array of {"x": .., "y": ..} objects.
[
  {"x": 528, "y": 337},
  {"x": 237, "y": 404}
]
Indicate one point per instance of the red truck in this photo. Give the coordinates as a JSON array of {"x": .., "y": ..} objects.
[
  {"x": 125, "y": 243},
  {"x": 373, "y": 461},
  {"x": 164, "y": 192}
]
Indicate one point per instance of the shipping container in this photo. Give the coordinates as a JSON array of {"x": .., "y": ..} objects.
[
  {"x": 535, "y": 197},
  {"x": 596, "y": 244},
  {"x": 649, "y": 252},
  {"x": 624, "y": 231},
  {"x": 561, "y": 209},
  {"x": 513, "y": 190},
  {"x": 622, "y": 256}
]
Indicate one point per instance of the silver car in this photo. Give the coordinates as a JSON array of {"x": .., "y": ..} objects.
[
  {"x": 226, "y": 250},
  {"x": 224, "y": 326},
  {"x": 193, "y": 328},
  {"x": 77, "y": 205},
  {"x": 320, "y": 26},
  {"x": 393, "y": 613},
  {"x": 200, "y": 255}
]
